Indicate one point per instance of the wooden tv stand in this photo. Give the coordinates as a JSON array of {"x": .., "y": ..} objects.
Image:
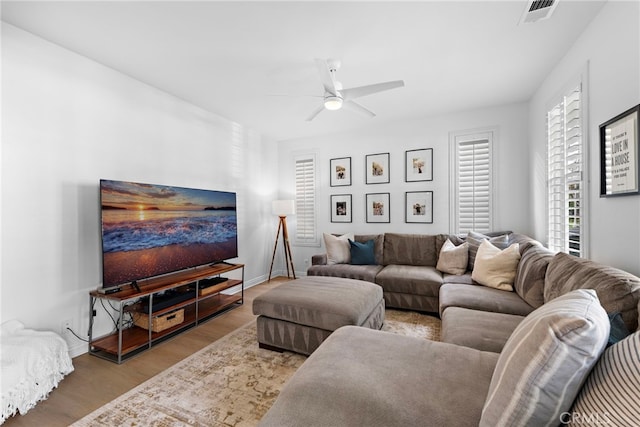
[{"x": 139, "y": 325}]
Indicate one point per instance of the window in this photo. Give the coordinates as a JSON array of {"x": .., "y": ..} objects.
[
  {"x": 472, "y": 182},
  {"x": 305, "y": 175},
  {"x": 565, "y": 167}
]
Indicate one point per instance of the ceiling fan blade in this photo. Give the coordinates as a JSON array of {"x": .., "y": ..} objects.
[
  {"x": 357, "y": 92},
  {"x": 294, "y": 95},
  {"x": 354, "y": 106},
  {"x": 315, "y": 113},
  {"x": 325, "y": 76}
]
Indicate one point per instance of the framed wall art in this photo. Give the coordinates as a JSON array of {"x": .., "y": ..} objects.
[
  {"x": 419, "y": 207},
  {"x": 419, "y": 165},
  {"x": 377, "y": 168},
  {"x": 619, "y": 151},
  {"x": 340, "y": 172},
  {"x": 378, "y": 205},
  {"x": 341, "y": 208}
]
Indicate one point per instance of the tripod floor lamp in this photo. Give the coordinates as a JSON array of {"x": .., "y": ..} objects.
[{"x": 282, "y": 208}]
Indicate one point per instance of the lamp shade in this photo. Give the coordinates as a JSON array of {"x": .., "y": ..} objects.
[
  {"x": 333, "y": 103},
  {"x": 283, "y": 207}
]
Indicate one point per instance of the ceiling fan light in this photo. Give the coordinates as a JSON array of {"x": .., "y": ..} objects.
[{"x": 333, "y": 103}]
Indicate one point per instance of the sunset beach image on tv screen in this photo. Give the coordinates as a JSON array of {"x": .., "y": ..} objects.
[{"x": 149, "y": 230}]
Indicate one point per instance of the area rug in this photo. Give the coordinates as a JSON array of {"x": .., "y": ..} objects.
[{"x": 231, "y": 382}]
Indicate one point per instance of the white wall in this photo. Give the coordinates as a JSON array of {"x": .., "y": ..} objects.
[
  {"x": 611, "y": 47},
  {"x": 69, "y": 121},
  {"x": 511, "y": 171}
]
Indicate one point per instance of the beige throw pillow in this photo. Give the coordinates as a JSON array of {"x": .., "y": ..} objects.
[
  {"x": 338, "y": 249},
  {"x": 496, "y": 268},
  {"x": 453, "y": 259}
]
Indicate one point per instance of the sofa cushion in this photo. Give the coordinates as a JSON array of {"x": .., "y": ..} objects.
[
  {"x": 496, "y": 268},
  {"x": 361, "y": 377},
  {"x": 522, "y": 239},
  {"x": 532, "y": 269},
  {"x": 360, "y": 272},
  {"x": 546, "y": 360},
  {"x": 338, "y": 250},
  {"x": 482, "y": 298},
  {"x": 453, "y": 259},
  {"x": 610, "y": 395},
  {"x": 461, "y": 278},
  {"x": 410, "y": 249},
  {"x": 617, "y": 289},
  {"x": 319, "y": 259},
  {"x": 362, "y": 253},
  {"x": 482, "y": 330},
  {"x": 421, "y": 303},
  {"x": 475, "y": 240},
  {"x": 410, "y": 279}
]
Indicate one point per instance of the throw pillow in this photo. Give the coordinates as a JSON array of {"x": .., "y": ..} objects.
[
  {"x": 338, "y": 250},
  {"x": 610, "y": 395},
  {"x": 496, "y": 268},
  {"x": 475, "y": 240},
  {"x": 453, "y": 259},
  {"x": 545, "y": 362},
  {"x": 362, "y": 253},
  {"x": 619, "y": 330}
]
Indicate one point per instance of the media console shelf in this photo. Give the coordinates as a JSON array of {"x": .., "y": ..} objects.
[{"x": 162, "y": 308}]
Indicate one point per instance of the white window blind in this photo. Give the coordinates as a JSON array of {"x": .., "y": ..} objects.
[
  {"x": 565, "y": 186},
  {"x": 305, "y": 174},
  {"x": 473, "y": 183}
]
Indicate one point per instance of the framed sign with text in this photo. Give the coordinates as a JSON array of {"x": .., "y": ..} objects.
[{"x": 619, "y": 155}]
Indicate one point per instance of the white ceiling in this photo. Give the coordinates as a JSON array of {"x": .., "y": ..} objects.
[{"x": 231, "y": 57}]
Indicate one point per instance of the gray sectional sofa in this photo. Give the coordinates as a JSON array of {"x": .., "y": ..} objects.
[
  {"x": 506, "y": 358},
  {"x": 406, "y": 268}
]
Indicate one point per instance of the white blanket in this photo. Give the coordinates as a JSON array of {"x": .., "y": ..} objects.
[{"x": 33, "y": 363}]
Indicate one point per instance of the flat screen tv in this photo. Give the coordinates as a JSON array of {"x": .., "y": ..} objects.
[{"x": 150, "y": 230}]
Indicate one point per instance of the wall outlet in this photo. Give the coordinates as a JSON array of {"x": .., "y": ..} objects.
[{"x": 65, "y": 325}]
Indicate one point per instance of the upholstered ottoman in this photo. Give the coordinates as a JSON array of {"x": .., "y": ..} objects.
[{"x": 299, "y": 315}]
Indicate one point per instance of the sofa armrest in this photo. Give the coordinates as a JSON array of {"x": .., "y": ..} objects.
[{"x": 320, "y": 259}]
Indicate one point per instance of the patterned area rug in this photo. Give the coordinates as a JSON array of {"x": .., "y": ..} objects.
[{"x": 231, "y": 382}]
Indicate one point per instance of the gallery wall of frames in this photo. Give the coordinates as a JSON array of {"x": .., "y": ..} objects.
[{"x": 418, "y": 202}]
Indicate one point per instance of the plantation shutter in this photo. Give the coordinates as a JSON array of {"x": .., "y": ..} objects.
[
  {"x": 565, "y": 187},
  {"x": 305, "y": 174},
  {"x": 474, "y": 186}
]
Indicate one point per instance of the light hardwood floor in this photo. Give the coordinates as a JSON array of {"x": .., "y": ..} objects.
[{"x": 96, "y": 382}]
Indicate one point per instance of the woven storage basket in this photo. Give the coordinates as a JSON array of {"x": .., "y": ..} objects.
[{"x": 162, "y": 322}]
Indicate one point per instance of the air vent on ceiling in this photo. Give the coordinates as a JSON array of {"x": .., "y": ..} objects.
[{"x": 537, "y": 10}]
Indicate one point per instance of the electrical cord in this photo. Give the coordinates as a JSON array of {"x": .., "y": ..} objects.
[
  {"x": 115, "y": 325},
  {"x": 76, "y": 335}
]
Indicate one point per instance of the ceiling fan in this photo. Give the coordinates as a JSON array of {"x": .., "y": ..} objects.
[{"x": 335, "y": 97}]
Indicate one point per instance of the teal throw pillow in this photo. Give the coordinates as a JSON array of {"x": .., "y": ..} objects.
[
  {"x": 618, "y": 330},
  {"x": 362, "y": 253}
]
